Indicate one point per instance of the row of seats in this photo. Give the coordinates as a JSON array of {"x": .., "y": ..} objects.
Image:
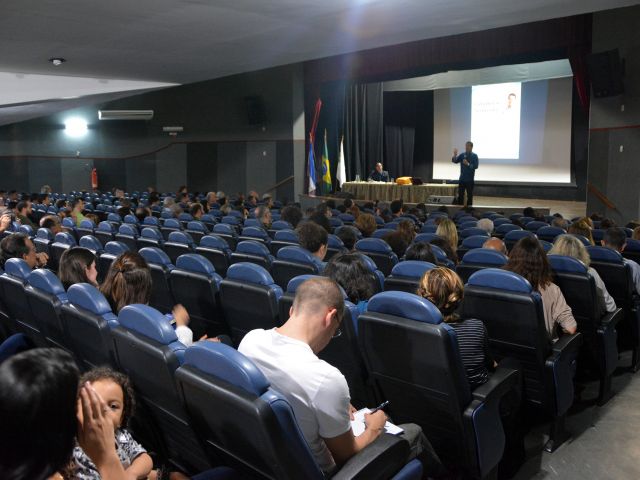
[{"x": 187, "y": 395}]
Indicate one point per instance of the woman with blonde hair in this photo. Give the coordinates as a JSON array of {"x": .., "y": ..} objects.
[
  {"x": 581, "y": 227},
  {"x": 447, "y": 230},
  {"x": 570, "y": 246}
]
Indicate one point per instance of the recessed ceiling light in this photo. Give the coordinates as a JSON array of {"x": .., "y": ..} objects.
[{"x": 57, "y": 61}]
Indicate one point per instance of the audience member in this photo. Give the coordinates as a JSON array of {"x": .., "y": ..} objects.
[
  {"x": 267, "y": 200},
  {"x": 46, "y": 189},
  {"x": 447, "y": 230},
  {"x": 420, "y": 251},
  {"x": 350, "y": 272},
  {"x": 496, "y": 244},
  {"x": 212, "y": 200},
  {"x": 636, "y": 233},
  {"x": 19, "y": 245},
  {"x": 141, "y": 213},
  {"x": 560, "y": 222},
  {"x": 196, "y": 211},
  {"x": 291, "y": 214},
  {"x": 77, "y": 206},
  {"x": 41, "y": 407},
  {"x": 581, "y": 227},
  {"x": 263, "y": 214},
  {"x": 616, "y": 239},
  {"x": 5, "y": 221},
  {"x": 314, "y": 238},
  {"x": 78, "y": 265},
  {"x": 348, "y": 236},
  {"x": 445, "y": 246},
  {"x": 529, "y": 212},
  {"x": 606, "y": 223},
  {"x": 366, "y": 223},
  {"x": 398, "y": 243},
  {"x": 317, "y": 391},
  {"x": 397, "y": 208},
  {"x": 407, "y": 229},
  {"x": 129, "y": 281},
  {"x": 320, "y": 219},
  {"x": 115, "y": 389},
  {"x": 486, "y": 224},
  {"x": 527, "y": 259},
  {"x": 44, "y": 199},
  {"x": 23, "y": 211},
  {"x": 570, "y": 246}
]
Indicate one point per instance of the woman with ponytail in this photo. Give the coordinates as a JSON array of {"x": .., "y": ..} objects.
[{"x": 444, "y": 289}]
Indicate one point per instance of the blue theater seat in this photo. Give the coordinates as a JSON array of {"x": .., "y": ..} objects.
[
  {"x": 195, "y": 285},
  {"x": 478, "y": 259},
  {"x": 111, "y": 251},
  {"x": 429, "y": 228},
  {"x": 255, "y": 233},
  {"x": 12, "y": 291},
  {"x": 414, "y": 361},
  {"x": 535, "y": 225},
  {"x": 150, "y": 237},
  {"x": 291, "y": 262},
  {"x": 178, "y": 244},
  {"x": 215, "y": 249},
  {"x": 149, "y": 352},
  {"x": 197, "y": 230},
  {"x": 62, "y": 241},
  {"x": 381, "y": 232},
  {"x": 283, "y": 238},
  {"x": 161, "y": 266},
  {"x": 151, "y": 221},
  {"x": 92, "y": 243},
  {"x": 105, "y": 232},
  {"x": 379, "y": 251},
  {"x": 425, "y": 237},
  {"x": 227, "y": 232},
  {"x": 249, "y": 299},
  {"x": 598, "y": 331},
  {"x": 253, "y": 252},
  {"x": 512, "y": 237},
  {"x": 170, "y": 225},
  {"x": 128, "y": 234},
  {"x": 549, "y": 233},
  {"x": 334, "y": 247},
  {"x": 514, "y": 317},
  {"x": 43, "y": 240},
  {"x": 45, "y": 297},
  {"x": 87, "y": 321},
  {"x": 405, "y": 276},
  {"x": 473, "y": 231},
  {"x": 264, "y": 441}
]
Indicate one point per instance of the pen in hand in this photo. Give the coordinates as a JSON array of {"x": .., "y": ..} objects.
[{"x": 379, "y": 407}]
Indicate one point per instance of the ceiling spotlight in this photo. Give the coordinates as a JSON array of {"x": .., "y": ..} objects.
[
  {"x": 75, "y": 127},
  {"x": 57, "y": 61}
]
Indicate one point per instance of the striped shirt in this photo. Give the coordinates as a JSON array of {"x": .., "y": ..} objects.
[{"x": 473, "y": 343}]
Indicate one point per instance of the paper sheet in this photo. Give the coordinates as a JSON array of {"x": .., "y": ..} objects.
[{"x": 358, "y": 426}]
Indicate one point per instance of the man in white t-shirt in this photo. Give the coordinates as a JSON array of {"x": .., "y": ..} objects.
[{"x": 317, "y": 391}]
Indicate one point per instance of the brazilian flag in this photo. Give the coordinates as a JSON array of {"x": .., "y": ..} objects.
[{"x": 327, "y": 186}]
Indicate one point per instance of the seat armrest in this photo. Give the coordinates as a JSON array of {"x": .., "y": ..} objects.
[
  {"x": 567, "y": 343},
  {"x": 500, "y": 382},
  {"x": 381, "y": 459},
  {"x": 610, "y": 320}
]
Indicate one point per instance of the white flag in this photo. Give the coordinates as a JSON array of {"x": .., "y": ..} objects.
[{"x": 341, "y": 175}]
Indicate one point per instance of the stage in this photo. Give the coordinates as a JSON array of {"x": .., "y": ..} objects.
[{"x": 507, "y": 206}]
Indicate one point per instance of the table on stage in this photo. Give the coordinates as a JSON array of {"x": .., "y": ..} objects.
[{"x": 391, "y": 191}]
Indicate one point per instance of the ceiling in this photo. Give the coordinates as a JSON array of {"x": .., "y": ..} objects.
[{"x": 183, "y": 41}]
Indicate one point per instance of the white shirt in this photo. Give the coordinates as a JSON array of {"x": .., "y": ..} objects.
[
  {"x": 317, "y": 391},
  {"x": 635, "y": 273},
  {"x": 606, "y": 299}
]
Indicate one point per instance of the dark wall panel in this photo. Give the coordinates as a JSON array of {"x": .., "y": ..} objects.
[
  {"x": 141, "y": 173},
  {"x": 232, "y": 167},
  {"x": 202, "y": 166},
  {"x": 284, "y": 169},
  {"x": 45, "y": 171},
  {"x": 111, "y": 173},
  {"x": 14, "y": 174}
]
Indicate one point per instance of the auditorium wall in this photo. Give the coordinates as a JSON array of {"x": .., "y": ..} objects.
[
  {"x": 218, "y": 150},
  {"x": 614, "y": 140}
]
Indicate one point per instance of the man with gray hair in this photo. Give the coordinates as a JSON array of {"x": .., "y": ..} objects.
[
  {"x": 486, "y": 224},
  {"x": 263, "y": 214},
  {"x": 494, "y": 243}
]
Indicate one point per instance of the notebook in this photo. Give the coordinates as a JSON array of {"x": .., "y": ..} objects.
[{"x": 358, "y": 426}]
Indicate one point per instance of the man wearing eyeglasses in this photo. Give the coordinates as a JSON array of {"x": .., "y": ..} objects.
[{"x": 317, "y": 391}]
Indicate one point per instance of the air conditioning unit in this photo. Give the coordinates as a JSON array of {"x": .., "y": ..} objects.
[{"x": 125, "y": 114}]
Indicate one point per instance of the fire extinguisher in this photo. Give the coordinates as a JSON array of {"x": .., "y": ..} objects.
[{"x": 94, "y": 178}]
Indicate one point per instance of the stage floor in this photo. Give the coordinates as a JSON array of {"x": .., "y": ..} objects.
[{"x": 567, "y": 209}]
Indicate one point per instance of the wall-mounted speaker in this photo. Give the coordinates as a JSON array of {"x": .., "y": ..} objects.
[
  {"x": 606, "y": 70},
  {"x": 255, "y": 110}
]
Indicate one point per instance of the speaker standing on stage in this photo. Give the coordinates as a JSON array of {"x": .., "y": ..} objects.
[
  {"x": 468, "y": 163},
  {"x": 379, "y": 175}
]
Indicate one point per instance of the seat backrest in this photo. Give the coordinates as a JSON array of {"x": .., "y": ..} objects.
[
  {"x": 405, "y": 276},
  {"x": 425, "y": 237},
  {"x": 87, "y": 321},
  {"x": 512, "y": 237},
  {"x": 149, "y": 352},
  {"x": 92, "y": 243},
  {"x": 253, "y": 252},
  {"x": 286, "y": 235},
  {"x": 291, "y": 262},
  {"x": 197, "y": 226},
  {"x": 380, "y": 252},
  {"x": 217, "y": 383},
  {"x": 474, "y": 241},
  {"x": 255, "y": 233},
  {"x": 579, "y": 290},
  {"x": 504, "y": 228},
  {"x": 473, "y": 231},
  {"x": 381, "y": 232},
  {"x": 131, "y": 219},
  {"x": 195, "y": 284},
  {"x": 535, "y": 225},
  {"x": 249, "y": 299},
  {"x": 549, "y": 233},
  {"x": 217, "y": 251},
  {"x": 478, "y": 259},
  {"x": 514, "y": 317},
  {"x": 413, "y": 359},
  {"x": 281, "y": 225},
  {"x": 45, "y": 295},
  {"x": 616, "y": 275},
  {"x": 161, "y": 266},
  {"x": 151, "y": 221}
]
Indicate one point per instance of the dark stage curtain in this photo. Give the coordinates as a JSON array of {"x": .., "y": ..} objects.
[{"x": 363, "y": 128}]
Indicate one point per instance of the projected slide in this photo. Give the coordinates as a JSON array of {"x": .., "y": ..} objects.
[{"x": 495, "y": 120}]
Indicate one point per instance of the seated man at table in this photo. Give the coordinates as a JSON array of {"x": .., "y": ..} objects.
[{"x": 379, "y": 175}]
